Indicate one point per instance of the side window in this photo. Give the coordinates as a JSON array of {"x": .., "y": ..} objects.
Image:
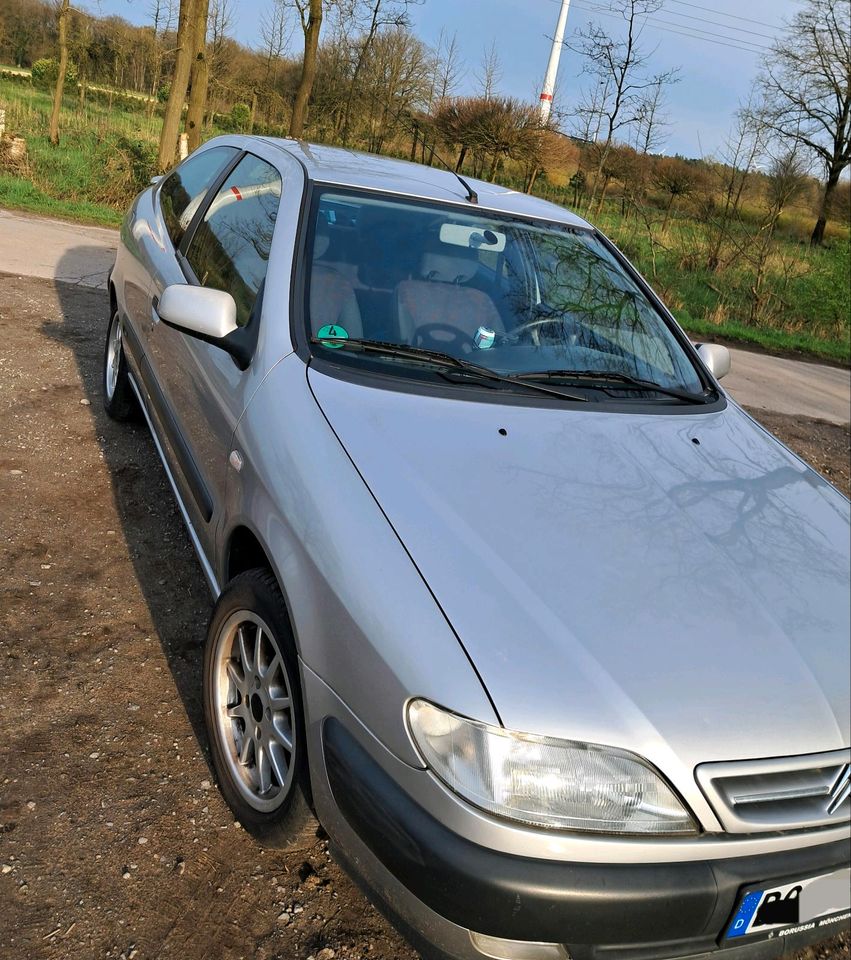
[
  {"x": 230, "y": 248},
  {"x": 184, "y": 189}
]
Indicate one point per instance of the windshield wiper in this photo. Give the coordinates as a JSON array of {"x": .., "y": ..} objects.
[
  {"x": 602, "y": 376},
  {"x": 438, "y": 358}
]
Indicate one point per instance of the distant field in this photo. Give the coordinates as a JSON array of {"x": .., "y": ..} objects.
[{"x": 106, "y": 156}]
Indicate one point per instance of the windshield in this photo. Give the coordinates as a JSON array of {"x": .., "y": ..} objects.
[{"x": 527, "y": 300}]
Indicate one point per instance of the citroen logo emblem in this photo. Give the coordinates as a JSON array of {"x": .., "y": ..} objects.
[{"x": 840, "y": 791}]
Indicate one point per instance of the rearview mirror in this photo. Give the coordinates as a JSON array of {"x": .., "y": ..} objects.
[
  {"x": 716, "y": 358},
  {"x": 206, "y": 314}
]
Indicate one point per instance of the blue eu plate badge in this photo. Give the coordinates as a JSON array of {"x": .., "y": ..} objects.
[{"x": 814, "y": 902}]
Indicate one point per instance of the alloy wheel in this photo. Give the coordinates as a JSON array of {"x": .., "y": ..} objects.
[
  {"x": 254, "y": 710},
  {"x": 113, "y": 357}
]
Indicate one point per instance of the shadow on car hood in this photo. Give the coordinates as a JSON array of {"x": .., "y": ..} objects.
[{"x": 612, "y": 579}]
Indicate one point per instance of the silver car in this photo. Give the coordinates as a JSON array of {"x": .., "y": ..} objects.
[{"x": 549, "y": 634}]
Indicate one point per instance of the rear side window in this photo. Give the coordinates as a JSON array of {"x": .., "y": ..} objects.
[
  {"x": 183, "y": 190},
  {"x": 230, "y": 247}
]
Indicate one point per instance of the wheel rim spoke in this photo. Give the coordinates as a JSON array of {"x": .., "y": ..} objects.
[
  {"x": 237, "y": 677},
  {"x": 283, "y": 738},
  {"x": 264, "y": 768},
  {"x": 244, "y": 653},
  {"x": 245, "y": 753},
  {"x": 279, "y": 764},
  {"x": 274, "y": 665}
]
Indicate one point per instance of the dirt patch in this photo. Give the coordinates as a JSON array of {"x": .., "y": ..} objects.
[
  {"x": 825, "y": 446},
  {"x": 114, "y": 841}
]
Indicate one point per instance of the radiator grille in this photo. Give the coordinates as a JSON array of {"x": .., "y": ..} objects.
[{"x": 783, "y": 793}]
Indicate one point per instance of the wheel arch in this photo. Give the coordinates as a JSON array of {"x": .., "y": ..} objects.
[{"x": 244, "y": 551}]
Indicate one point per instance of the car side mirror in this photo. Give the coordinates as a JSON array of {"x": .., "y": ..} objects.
[
  {"x": 206, "y": 314},
  {"x": 716, "y": 358}
]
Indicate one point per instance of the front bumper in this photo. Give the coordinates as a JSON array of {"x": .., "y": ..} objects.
[{"x": 440, "y": 885}]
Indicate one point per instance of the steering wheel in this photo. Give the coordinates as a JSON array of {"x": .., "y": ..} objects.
[
  {"x": 424, "y": 336},
  {"x": 533, "y": 328}
]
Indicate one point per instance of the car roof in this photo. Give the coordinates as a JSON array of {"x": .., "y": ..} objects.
[{"x": 339, "y": 166}]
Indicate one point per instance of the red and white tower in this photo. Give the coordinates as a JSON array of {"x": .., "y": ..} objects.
[{"x": 552, "y": 66}]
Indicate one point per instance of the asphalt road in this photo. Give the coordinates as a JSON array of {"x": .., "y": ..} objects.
[{"x": 55, "y": 250}]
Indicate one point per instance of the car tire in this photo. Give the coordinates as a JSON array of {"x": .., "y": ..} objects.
[
  {"x": 253, "y": 709},
  {"x": 118, "y": 399}
]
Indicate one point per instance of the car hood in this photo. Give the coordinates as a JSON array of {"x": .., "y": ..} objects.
[{"x": 675, "y": 584}]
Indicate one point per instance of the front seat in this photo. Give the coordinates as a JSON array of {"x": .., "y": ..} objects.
[
  {"x": 440, "y": 301},
  {"x": 332, "y": 297}
]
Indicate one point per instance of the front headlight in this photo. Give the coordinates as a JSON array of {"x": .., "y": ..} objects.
[{"x": 543, "y": 781}]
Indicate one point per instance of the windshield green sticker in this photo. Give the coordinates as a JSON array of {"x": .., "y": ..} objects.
[{"x": 333, "y": 331}]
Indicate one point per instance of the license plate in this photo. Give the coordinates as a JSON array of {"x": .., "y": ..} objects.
[{"x": 817, "y": 902}]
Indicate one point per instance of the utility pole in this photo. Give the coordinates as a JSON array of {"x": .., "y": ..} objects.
[{"x": 552, "y": 66}]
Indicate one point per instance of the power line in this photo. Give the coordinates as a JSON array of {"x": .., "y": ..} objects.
[
  {"x": 721, "y": 13},
  {"x": 715, "y": 23},
  {"x": 646, "y": 18},
  {"x": 720, "y": 39}
]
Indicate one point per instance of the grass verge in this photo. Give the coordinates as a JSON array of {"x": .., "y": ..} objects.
[
  {"x": 773, "y": 341},
  {"x": 19, "y": 194}
]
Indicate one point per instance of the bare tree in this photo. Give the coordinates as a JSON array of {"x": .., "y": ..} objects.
[
  {"x": 198, "y": 76},
  {"x": 738, "y": 158},
  {"x": 651, "y": 122},
  {"x": 310, "y": 13},
  {"x": 162, "y": 15},
  {"x": 379, "y": 14},
  {"x": 587, "y": 116},
  {"x": 63, "y": 15},
  {"x": 275, "y": 33},
  {"x": 620, "y": 66},
  {"x": 219, "y": 52},
  {"x": 448, "y": 68},
  {"x": 787, "y": 177},
  {"x": 490, "y": 71},
  {"x": 806, "y": 83},
  {"x": 179, "y": 82},
  {"x": 220, "y": 22},
  {"x": 397, "y": 75},
  {"x": 447, "y": 73},
  {"x": 82, "y": 51}
]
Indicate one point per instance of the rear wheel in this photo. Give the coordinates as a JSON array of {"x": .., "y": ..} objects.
[
  {"x": 254, "y": 714},
  {"x": 118, "y": 399}
]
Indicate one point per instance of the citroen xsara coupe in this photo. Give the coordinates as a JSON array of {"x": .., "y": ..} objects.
[{"x": 545, "y": 630}]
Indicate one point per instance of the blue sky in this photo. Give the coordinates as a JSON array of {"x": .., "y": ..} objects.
[{"x": 714, "y": 77}]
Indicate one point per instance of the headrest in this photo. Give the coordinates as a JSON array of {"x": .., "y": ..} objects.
[
  {"x": 321, "y": 241},
  {"x": 448, "y": 267}
]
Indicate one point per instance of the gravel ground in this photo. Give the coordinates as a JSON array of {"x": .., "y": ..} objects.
[{"x": 114, "y": 841}]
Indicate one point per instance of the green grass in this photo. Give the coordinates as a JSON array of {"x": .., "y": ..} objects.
[
  {"x": 18, "y": 194},
  {"x": 88, "y": 177},
  {"x": 774, "y": 341},
  {"x": 105, "y": 157}
]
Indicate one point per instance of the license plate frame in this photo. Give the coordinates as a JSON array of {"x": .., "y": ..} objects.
[{"x": 782, "y": 908}]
